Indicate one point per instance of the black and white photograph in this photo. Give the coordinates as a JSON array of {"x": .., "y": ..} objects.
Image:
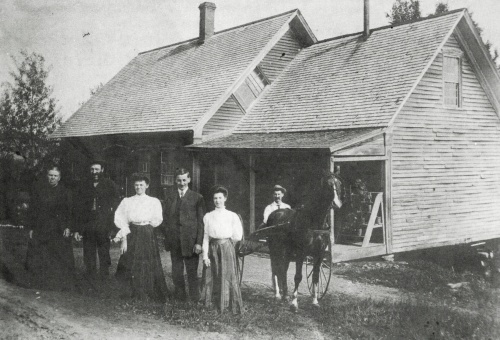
[{"x": 235, "y": 169}]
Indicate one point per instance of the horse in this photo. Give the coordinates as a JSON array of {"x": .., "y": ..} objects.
[{"x": 290, "y": 236}]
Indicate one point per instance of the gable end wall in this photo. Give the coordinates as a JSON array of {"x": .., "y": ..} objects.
[
  {"x": 228, "y": 115},
  {"x": 280, "y": 55},
  {"x": 445, "y": 165}
]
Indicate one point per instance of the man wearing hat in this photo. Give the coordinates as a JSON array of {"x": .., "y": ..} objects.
[
  {"x": 278, "y": 194},
  {"x": 98, "y": 198}
]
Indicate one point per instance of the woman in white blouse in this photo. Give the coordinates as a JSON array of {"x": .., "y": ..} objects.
[
  {"x": 140, "y": 265},
  {"x": 222, "y": 229}
]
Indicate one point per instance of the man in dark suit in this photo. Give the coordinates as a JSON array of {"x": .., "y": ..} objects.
[
  {"x": 97, "y": 200},
  {"x": 184, "y": 210}
]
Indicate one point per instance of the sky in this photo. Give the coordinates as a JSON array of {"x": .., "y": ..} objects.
[{"x": 86, "y": 42}]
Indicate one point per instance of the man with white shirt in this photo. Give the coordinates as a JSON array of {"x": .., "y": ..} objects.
[
  {"x": 278, "y": 203},
  {"x": 184, "y": 211}
]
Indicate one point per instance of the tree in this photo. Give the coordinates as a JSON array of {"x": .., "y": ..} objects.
[
  {"x": 28, "y": 114},
  {"x": 93, "y": 91},
  {"x": 403, "y": 11},
  {"x": 443, "y": 8},
  {"x": 96, "y": 89}
]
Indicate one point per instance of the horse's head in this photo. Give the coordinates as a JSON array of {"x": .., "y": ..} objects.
[
  {"x": 333, "y": 189},
  {"x": 328, "y": 185}
]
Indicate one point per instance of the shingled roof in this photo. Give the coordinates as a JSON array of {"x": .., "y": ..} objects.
[
  {"x": 171, "y": 88},
  {"x": 349, "y": 82}
]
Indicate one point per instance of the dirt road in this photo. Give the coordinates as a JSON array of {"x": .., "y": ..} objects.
[
  {"x": 28, "y": 313},
  {"x": 31, "y": 314}
]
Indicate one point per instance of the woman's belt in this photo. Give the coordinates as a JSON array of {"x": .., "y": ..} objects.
[
  {"x": 140, "y": 223},
  {"x": 219, "y": 240}
]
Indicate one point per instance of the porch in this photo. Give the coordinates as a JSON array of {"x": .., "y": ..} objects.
[{"x": 249, "y": 166}]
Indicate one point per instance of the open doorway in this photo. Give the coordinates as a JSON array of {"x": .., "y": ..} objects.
[{"x": 360, "y": 221}]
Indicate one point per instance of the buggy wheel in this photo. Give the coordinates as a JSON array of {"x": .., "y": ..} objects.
[
  {"x": 325, "y": 273},
  {"x": 240, "y": 257}
]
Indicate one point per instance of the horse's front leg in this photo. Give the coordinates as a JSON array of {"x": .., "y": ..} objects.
[
  {"x": 315, "y": 302},
  {"x": 283, "y": 282},
  {"x": 315, "y": 281},
  {"x": 276, "y": 286},
  {"x": 294, "y": 305},
  {"x": 275, "y": 260}
]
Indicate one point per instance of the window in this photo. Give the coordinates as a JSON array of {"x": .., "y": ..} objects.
[
  {"x": 451, "y": 76},
  {"x": 144, "y": 166},
  {"x": 167, "y": 168},
  {"x": 75, "y": 174},
  {"x": 251, "y": 88},
  {"x": 144, "y": 163}
]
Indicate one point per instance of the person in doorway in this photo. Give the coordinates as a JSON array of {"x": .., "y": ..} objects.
[
  {"x": 184, "y": 210},
  {"x": 140, "y": 264},
  {"x": 358, "y": 209},
  {"x": 223, "y": 229},
  {"x": 50, "y": 253},
  {"x": 278, "y": 194},
  {"x": 98, "y": 198}
]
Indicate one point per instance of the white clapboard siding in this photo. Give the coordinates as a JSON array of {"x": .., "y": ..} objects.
[
  {"x": 445, "y": 165},
  {"x": 228, "y": 115},
  {"x": 280, "y": 56}
]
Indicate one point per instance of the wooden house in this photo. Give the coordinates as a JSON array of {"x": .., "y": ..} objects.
[{"x": 411, "y": 109}]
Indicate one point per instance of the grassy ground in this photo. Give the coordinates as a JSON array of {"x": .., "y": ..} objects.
[
  {"x": 426, "y": 308},
  {"x": 426, "y": 279}
]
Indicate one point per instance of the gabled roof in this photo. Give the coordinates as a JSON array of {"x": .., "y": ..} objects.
[
  {"x": 173, "y": 87},
  {"x": 349, "y": 82}
]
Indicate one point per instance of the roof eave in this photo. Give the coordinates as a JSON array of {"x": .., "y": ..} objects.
[
  {"x": 59, "y": 136},
  {"x": 360, "y": 139}
]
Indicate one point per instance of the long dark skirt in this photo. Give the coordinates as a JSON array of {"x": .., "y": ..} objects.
[
  {"x": 140, "y": 267},
  {"x": 221, "y": 284},
  {"x": 50, "y": 262}
]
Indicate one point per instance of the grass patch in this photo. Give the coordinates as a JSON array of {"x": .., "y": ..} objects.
[
  {"x": 340, "y": 317},
  {"x": 403, "y": 320},
  {"x": 426, "y": 278}
]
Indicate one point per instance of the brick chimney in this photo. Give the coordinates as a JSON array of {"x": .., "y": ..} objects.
[
  {"x": 207, "y": 20},
  {"x": 366, "y": 22}
]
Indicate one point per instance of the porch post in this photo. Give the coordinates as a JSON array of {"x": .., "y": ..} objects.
[
  {"x": 332, "y": 212},
  {"x": 251, "y": 169},
  {"x": 195, "y": 179}
]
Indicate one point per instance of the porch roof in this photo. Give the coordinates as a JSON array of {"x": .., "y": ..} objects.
[{"x": 332, "y": 140}]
